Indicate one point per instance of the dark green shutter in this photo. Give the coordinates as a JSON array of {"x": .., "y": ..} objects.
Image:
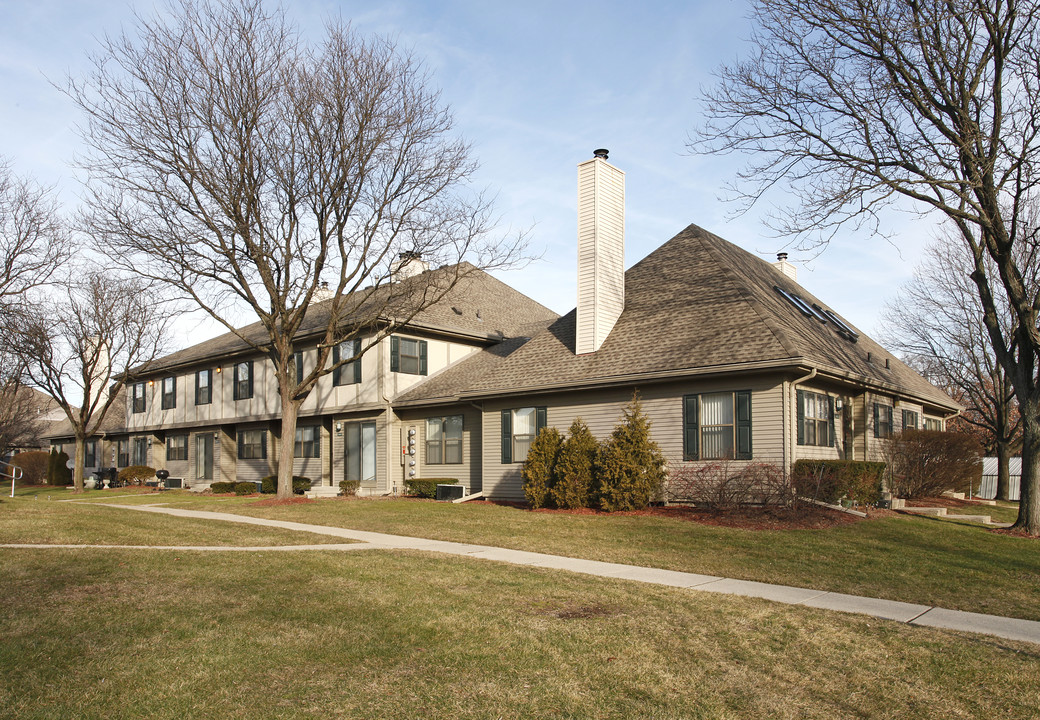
[
  {"x": 357, "y": 362},
  {"x": 800, "y": 415},
  {"x": 336, "y": 374},
  {"x": 422, "y": 357},
  {"x": 743, "y": 429},
  {"x": 834, "y": 440},
  {"x": 250, "y": 379},
  {"x": 507, "y": 437},
  {"x": 263, "y": 444},
  {"x": 877, "y": 428},
  {"x": 691, "y": 431},
  {"x": 541, "y": 419},
  {"x": 395, "y": 354}
]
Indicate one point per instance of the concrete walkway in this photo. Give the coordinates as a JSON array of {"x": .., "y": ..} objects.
[{"x": 924, "y": 615}]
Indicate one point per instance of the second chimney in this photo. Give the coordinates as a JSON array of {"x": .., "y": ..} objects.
[{"x": 601, "y": 251}]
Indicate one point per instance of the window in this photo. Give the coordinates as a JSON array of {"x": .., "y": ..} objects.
[
  {"x": 407, "y": 355},
  {"x": 203, "y": 387},
  {"x": 882, "y": 420},
  {"x": 717, "y": 426},
  {"x": 909, "y": 420},
  {"x": 169, "y": 393},
  {"x": 932, "y": 423},
  {"x": 123, "y": 453},
  {"x": 444, "y": 440},
  {"x": 308, "y": 442},
  {"x": 359, "y": 441},
  {"x": 815, "y": 419},
  {"x": 244, "y": 380},
  {"x": 138, "y": 397},
  {"x": 177, "y": 447},
  {"x": 519, "y": 428},
  {"x": 90, "y": 457},
  {"x": 351, "y": 372},
  {"x": 140, "y": 451},
  {"x": 298, "y": 362},
  {"x": 252, "y": 444}
]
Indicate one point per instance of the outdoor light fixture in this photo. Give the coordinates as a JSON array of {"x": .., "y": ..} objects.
[
  {"x": 339, "y": 427},
  {"x": 218, "y": 371}
]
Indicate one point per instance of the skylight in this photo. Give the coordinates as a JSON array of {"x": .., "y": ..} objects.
[{"x": 819, "y": 313}]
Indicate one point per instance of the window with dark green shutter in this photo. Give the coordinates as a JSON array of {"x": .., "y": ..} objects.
[
  {"x": 243, "y": 380},
  {"x": 519, "y": 429},
  {"x": 348, "y": 373},
  {"x": 717, "y": 426},
  {"x": 252, "y": 444},
  {"x": 815, "y": 419},
  {"x": 408, "y": 355},
  {"x": 203, "y": 387},
  {"x": 882, "y": 420},
  {"x": 909, "y": 420}
]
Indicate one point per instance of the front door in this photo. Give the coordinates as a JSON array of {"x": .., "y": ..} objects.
[
  {"x": 360, "y": 445},
  {"x": 204, "y": 457}
]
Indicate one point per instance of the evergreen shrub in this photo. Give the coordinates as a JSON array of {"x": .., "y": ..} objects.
[
  {"x": 575, "y": 465},
  {"x": 136, "y": 474},
  {"x": 350, "y": 487},
  {"x": 245, "y": 488},
  {"x": 58, "y": 472},
  {"x": 539, "y": 469},
  {"x": 425, "y": 487},
  {"x": 223, "y": 487},
  {"x": 630, "y": 465},
  {"x": 300, "y": 484}
]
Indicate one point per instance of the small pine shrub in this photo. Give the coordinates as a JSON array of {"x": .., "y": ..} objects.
[
  {"x": 34, "y": 466},
  {"x": 245, "y": 488},
  {"x": 300, "y": 484},
  {"x": 136, "y": 474},
  {"x": 424, "y": 487},
  {"x": 575, "y": 464},
  {"x": 349, "y": 488},
  {"x": 222, "y": 488},
  {"x": 630, "y": 464},
  {"x": 539, "y": 469},
  {"x": 58, "y": 472}
]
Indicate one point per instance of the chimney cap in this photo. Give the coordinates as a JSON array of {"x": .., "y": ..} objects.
[
  {"x": 781, "y": 256},
  {"x": 601, "y": 153}
]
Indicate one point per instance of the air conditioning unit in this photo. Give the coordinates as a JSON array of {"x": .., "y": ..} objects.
[{"x": 450, "y": 492}]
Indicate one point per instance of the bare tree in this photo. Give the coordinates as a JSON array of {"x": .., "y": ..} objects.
[
  {"x": 82, "y": 349},
  {"x": 854, "y": 105},
  {"x": 21, "y": 417},
  {"x": 246, "y": 169},
  {"x": 936, "y": 321},
  {"x": 33, "y": 239}
]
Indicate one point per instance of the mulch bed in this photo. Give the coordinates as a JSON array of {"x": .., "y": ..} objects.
[{"x": 275, "y": 502}]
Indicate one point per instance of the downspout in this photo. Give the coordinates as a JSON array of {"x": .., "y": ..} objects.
[
  {"x": 790, "y": 440},
  {"x": 391, "y": 487}
]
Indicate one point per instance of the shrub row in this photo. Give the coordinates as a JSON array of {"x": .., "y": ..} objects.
[
  {"x": 300, "y": 485},
  {"x": 625, "y": 472},
  {"x": 831, "y": 481},
  {"x": 58, "y": 472},
  {"x": 424, "y": 487},
  {"x": 723, "y": 485}
]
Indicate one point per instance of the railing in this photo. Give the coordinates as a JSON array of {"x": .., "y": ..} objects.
[{"x": 8, "y": 470}]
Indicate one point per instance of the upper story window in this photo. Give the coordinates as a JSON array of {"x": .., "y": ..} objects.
[
  {"x": 444, "y": 440},
  {"x": 308, "y": 442},
  {"x": 203, "y": 387},
  {"x": 815, "y": 419},
  {"x": 407, "y": 355},
  {"x": 351, "y": 371},
  {"x": 243, "y": 380},
  {"x": 137, "y": 395},
  {"x": 252, "y": 444},
  {"x": 298, "y": 362},
  {"x": 717, "y": 426},
  {"x": 169, "y": 392},
  {"x": 910, "y": 420},
  {"x": 519, "y": 429},
  {"x": 177, "y": 447},
  {"x": 882, "y": 420}
]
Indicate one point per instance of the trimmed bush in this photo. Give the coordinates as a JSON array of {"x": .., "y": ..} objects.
[
  {"x": 350, "y": 487},
  {"x": 724, "y": 486},
  {"x": 245, "y": 488},
  {"x": 300, "y": 485},
  {"x": 34, "y": 465},
  {"x": 831, "y": 480},
  {"x": 575, "y": 464},
  {"x": 425, "y": 487},
  {"x": 630, "y": 464},
  {"x": 58, "y": 472},
  {"x": 136, "y": 474},
  {"x": 539, "y": 469},
  {"x": 925, "y": 463},
  {"x": 222, "y": 488}
]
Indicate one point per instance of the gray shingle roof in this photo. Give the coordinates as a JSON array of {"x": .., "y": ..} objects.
[
  {"x": 478, "y": 304},
  {"x": 697, "y": 302}
]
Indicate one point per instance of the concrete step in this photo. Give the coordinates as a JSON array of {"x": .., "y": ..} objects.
[
  {"x": 985, "y": 519},
  {"x": 322, "y": 491},
  {"x": 935, "y": 511}
]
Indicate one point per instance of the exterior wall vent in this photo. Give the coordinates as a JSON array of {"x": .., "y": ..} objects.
[{"x": 601, "y": 251}]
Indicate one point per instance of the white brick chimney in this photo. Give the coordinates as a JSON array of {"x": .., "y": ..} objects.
[
  {"x": 601, "y": 251},
  {"x": 785, "y": 267}
]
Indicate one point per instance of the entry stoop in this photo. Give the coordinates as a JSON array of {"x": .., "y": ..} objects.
[{"x": 322, "y": 491}]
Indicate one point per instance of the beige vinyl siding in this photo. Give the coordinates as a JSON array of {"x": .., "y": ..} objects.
[
  {"x": 338, "y": 460},
  {"x": 256, "y": 469},
  {"x": 877, "y": 447},
  {"x": 317, "y": 469},
  {"x": 602, "y": 411},
  {"x": 818, "y": 452},
  {"x": 468, "y": 471}
]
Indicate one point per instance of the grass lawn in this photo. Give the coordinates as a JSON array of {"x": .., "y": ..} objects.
[
  {"x": 914, "y": 559},
  {"x": 176, "y": 634}
]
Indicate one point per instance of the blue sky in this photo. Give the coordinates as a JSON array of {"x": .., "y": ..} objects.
[{"x": 535, "y": 87}]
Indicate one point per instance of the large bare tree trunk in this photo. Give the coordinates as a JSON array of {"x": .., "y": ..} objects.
[
  {"x": 1029, "y": 500},
  {"x": 81, "y": 458},
  {"x": 1003, "y": 471},
  {"x": 287, "y": 443}
]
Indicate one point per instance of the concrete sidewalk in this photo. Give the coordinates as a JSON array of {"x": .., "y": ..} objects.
[{"x": 924, "y": 615}]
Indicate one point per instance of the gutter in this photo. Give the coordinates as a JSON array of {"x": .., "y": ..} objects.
[{"x": 790, "y": 418}]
